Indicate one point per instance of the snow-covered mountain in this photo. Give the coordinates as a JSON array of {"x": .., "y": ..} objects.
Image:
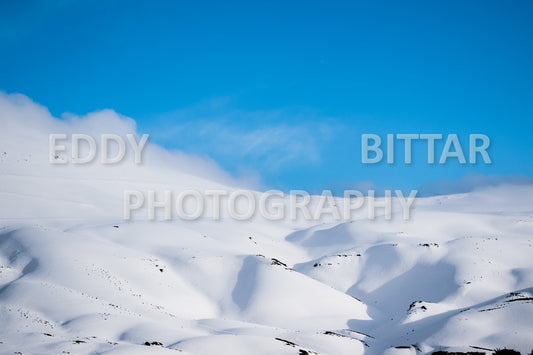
[{"x": 76, "y": 278}]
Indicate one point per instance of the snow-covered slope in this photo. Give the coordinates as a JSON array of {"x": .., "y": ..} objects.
[{"x": 76, "y": 278}]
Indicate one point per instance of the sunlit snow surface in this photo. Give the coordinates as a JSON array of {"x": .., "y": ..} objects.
[{"x": 459, "y": 274}]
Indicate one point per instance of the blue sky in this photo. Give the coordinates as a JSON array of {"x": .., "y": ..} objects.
[{"x": 284, "y": 90}]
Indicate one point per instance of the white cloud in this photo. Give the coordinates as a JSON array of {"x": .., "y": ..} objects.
[
  {"x": 272, "y": 143},
  {"x": 26, "y": 126},
  {"x": 471, "y": 182}
]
